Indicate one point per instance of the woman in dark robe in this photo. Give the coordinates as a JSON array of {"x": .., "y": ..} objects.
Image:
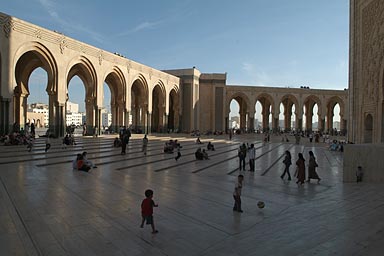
[
  {"x": 312, "y": 174},
  {"x": 300, "y": 163}
]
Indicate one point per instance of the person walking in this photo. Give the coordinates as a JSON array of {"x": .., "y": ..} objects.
[
  {"x": 145, "y": 144},
  {"x": 252, "y": 157},
  {"x": 300, "y": 171},
  {"x": 287, "y": 162},
  {"x": 33, "y": 130},
  {"x": 47, "y": 143},
  {"x": 237, "y": 193},
  {"x": 124, "y": 143},
  {"x": 312, "y": 164}
]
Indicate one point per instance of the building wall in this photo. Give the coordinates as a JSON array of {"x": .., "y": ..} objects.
[
  {"x": 202, "y": 100},
  {"x": 366, "y": 71},
  {"x": 63, "y": 57}
]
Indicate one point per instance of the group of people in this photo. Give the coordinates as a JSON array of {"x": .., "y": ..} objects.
[
  {"x": 68, "y": 140},
  {"x": 300, "y": 168},
  {"x": 242, "y": 153},
  {"x": 81, "y": 163},
  {"x": 124, "y": 135},
  {"x": 201, "y": 154},
  {"x": 170, "y": 146}
]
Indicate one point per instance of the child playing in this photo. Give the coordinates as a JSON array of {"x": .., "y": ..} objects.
[
  {"x": 237, "y": 193},
  {"x": 147, "y": 210}
]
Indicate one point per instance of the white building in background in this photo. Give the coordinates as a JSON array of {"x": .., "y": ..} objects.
[
  {"x": 41, "y": 109},
  {"x": 72, "y": 107},
  {"x": 106, "y": 119},
  {"x": 74, "y": 118}
]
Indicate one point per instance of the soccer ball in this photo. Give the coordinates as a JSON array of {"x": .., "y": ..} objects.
[{"x": 260, "y": 204}]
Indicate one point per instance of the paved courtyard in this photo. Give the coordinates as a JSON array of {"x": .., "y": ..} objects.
[{"x": 49, "y": 209}]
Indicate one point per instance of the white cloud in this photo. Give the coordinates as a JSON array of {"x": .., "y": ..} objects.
[
  {"x": 142, "y": 26},
  {"x": 51, "y": 7}
]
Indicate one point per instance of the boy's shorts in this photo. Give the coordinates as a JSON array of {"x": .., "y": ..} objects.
[{"x": 148, "y": 219}]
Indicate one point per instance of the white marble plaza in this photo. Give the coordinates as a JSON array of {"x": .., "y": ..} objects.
[{"x": 49, "y": 209}]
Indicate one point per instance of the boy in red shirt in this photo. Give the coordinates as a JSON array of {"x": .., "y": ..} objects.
[{"x": 147, "y": 210}]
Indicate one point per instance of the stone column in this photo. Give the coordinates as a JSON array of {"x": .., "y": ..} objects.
[
  {"x": 226, "y": 123},
  {"x": 299, "y": 124},
  {"x": 52, "y": 113},
  {"x": 126, "y": 118},
  {"x": 114, "y": 112},
  {"x": 90, "y": 115},
  {"x": 251, "y": 121},
  {"x": 4, "y": 116},
  {"x": 165, "y": 122},
  {"x": 20, "y": 109},
  {"x": 265, "y": 119},
  {"x": 59, "y": 130},
  {"x": 330, "y": 122},
  {"x": 275, "y": 124},
  {"x": 120, "y": 115},
  {"x": 243, "y": 116},
  {"x": 308, "y": 120},
  {"x": 148, "y": 122}
]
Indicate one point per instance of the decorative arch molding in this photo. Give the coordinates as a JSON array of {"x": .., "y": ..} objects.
[
  {"x": 331, "y": 103},
  {"x": 288, "y": 100},
  {"x": 236, "y": 96},
  {"x": 143, "y": 81},
  {"x": 175, "y": 88},
  {"x": 174, "y": 109},
  {"x": 30, "y": 56},
  {"x": 263, "y": 98},
  {"x": 291, "y": 98},
  {"x": 116, "y": 82},
  {"x": 162, "y": 87},
  {"x": 83, "y": 68},
  {"x": 158, "y": 107}
]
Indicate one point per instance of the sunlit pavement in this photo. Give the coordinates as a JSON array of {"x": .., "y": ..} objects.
[{"x": 49, "y": 209}]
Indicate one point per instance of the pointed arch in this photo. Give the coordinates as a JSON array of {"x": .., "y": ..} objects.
[
  {"x": 268, "y": 108},
  {"x": 29, "y": 57},
  {"x": 158, "y": 107},
  {"x": 289, "y": 101},
  {"x": 139, "y": 104},
  {"x": 116, "y": 83},
  {"x": 174, "y": 109}
]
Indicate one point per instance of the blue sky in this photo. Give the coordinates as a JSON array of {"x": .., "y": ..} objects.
[{"x": 257, "y": 42}]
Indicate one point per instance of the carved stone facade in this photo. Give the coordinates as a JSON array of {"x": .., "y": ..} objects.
[
  {"x": 182, "y": 100},
  {"x": 134, "y": 87},
  {"x": 366, "y": 71}
]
